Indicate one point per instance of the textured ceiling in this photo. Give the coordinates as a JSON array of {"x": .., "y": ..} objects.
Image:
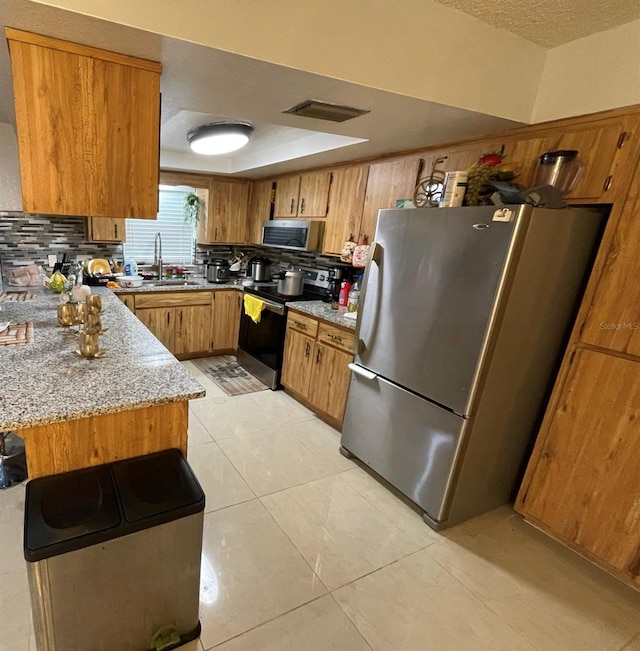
[{"x": 550, "y": 22}]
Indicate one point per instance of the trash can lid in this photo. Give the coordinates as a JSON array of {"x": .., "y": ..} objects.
[
  {"x": 69, "y": 511},
  {"x": 157, "y": 487}
]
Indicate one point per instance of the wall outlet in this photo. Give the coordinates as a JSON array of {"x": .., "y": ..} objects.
[{"x": 52, "y": 259}]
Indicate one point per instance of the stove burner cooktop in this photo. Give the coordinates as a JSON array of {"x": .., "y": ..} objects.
[{"x": 270, "y": 292}]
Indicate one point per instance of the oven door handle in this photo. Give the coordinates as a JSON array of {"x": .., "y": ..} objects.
[{"x": 276, "y": 308}]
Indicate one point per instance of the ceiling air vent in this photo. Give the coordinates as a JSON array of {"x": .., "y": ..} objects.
[{"x": 313, "y": 108}]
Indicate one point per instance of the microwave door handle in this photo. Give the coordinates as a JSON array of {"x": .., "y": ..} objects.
[{"x": 374, "y": 256}]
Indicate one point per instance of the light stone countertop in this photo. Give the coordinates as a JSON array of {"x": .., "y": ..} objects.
[
  {"x": 322, "y": 310},
  {"x": 47, "y": 382},
  {"x": 201, "y": 283}
]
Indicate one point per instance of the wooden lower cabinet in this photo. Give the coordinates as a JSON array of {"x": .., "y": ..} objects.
[
  {"x": 330, "y": 380},
  {"x": 582, "y": 485},
  {"x": 161, "y": 322},
  {"x": 297, "y": 366},
  {"x": 190, "y": 324},
  {"x": 192, "y": 330},
  {"x": 225, "y": 320},
  {"x": 314, "y": 371}
]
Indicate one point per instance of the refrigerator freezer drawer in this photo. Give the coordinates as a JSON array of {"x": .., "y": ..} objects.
[{"x": 406, "y": 439}]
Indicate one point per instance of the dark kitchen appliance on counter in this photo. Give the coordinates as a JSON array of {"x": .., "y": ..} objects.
[
  {"x": 335, "y": 278},
  {"x": 463, "y": 317},
  {"x": 261, "y": 345},
  {"x": 259, "y": 269},
  {"x": 218, "y": 270}
]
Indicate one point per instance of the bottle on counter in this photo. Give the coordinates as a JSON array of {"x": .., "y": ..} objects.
[
  {"x": 354, "y": 297},
  {"x": 345, "y": 288},
  {"x": 130, "y": 268}
]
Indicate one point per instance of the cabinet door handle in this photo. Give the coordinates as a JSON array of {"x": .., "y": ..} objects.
[
  {"x": 168, "y": 317},
  {"x": 292, "y": 206},
  {"x": 115, "y": 228},
  {"x": 607, "y": 182},
  {"x": 302, "y": 206},
  {"x": 215, "y": 236},
  {"x": 307, "y": 349},
  {"x": 318, "y": 355}
]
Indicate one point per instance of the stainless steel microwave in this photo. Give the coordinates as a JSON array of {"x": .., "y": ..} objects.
[{"x": 294, "y": 234}]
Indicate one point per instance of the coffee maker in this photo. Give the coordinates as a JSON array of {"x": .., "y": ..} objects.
[{"x": 335, "y": 277}]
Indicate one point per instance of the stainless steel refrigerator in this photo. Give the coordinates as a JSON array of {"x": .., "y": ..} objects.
[{"x": 464, "y": 314}]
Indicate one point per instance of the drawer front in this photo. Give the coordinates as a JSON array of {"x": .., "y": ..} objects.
[
  {"x": 302, "y": 323},
  {"x": 336, "y": 337},
  {"x": 172, "y": 299}
]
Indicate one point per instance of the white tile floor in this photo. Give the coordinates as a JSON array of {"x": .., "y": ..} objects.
[{"x": 304, "y": 550}]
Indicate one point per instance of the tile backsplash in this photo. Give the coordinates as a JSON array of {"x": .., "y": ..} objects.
[{"x": 28, "y": 239}]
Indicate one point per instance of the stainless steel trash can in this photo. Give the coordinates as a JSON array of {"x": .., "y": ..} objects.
[{"x": 113, "y": 555}]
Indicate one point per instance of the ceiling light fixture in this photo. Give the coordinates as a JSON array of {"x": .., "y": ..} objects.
[{"x": 219, "y": 137}]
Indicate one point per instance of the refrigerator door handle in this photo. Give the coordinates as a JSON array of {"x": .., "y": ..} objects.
[
  {"x": 374, "y": 256},
  {"x": 363, "y": 372}
]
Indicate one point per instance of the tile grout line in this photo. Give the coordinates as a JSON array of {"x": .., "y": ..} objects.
[
  {"x": 634, "y": 638},
  {"x": 267, "y": 621},
  {"x": 330, "y": 590},
  {"x": 342, "y": 610},
  {"x": 486, "y": 605}
]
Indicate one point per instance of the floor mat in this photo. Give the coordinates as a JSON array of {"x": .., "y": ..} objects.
[{"x": 229, "y": 375}]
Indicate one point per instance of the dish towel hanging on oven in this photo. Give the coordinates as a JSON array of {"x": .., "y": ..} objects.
[{"x": 253, "y": 307}]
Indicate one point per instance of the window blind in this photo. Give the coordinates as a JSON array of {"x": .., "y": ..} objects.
[{"x": 178, "y": 236}]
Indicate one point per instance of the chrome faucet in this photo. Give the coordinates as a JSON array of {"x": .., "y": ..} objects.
[{"x": 157, "y": 255}]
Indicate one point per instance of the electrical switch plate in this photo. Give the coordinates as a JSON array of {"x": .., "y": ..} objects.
[{"x": 52, "y": 259}]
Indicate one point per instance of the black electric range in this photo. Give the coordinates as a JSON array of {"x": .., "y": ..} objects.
[{"x": 261, "y": 344}]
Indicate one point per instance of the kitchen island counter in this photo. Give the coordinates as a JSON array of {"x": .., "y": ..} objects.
[
  {"x": 80, "y": 412},
  {"x": 322, "y": 310}
]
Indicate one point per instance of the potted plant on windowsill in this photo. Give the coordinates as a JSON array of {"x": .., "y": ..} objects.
[{"x": 193, "y": 207}]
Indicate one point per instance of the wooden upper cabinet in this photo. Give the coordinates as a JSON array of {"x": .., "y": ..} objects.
[
  {"x": 88, "y": 124},
  {"x": 346, "y": 201},
  {"x": 106, "y": 230},
  {"x": 126, "y": 129},
  {"x": 459, "y": 158},
  {"x": 613, "y": 321},
  {"x": 387, "y": 182},
  {"x": 582, "y": 484},
  {"x": 52, "y": 126},
  {"x": 287, "y": 193},
  {"x": 314, "y": 194},
  {"x": 305, "y": 196},
  {"x": 524, "y": 153},
  {"x": 225, "y": 219},
  {"x": 260, "y": 204},
  {"x": 604, "y": 146},
  {"x": 598, "y": 148}
]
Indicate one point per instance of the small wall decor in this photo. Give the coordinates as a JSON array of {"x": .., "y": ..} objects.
[{"x": 430, "y": 189}]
